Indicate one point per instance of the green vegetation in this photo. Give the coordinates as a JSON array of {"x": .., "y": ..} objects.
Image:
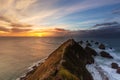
[{"x": 66, "y": 75}]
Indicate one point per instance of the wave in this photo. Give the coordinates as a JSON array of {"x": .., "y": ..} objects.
[{"x": 101, "y": 69}]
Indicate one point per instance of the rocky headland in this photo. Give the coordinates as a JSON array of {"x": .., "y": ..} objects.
[{"x": 73, "y": 61}]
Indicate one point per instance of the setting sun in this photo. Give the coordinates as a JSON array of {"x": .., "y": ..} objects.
[
  {"x": 37, "y": 34},
  {"x": 40, "y": 34}
]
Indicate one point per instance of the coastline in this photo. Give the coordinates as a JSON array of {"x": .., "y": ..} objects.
[
  {"x": 103, "y": 74},
  {"x": 34, "y": 66}
]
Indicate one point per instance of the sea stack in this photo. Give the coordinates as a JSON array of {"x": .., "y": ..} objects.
[
  {"x": 68, "y": 62},
  {"x": 118, "y": 71},
  {"x": 114, "y": 65},
  {"x": 101, "y": 46},
  {"x": 105, "y": 54}
]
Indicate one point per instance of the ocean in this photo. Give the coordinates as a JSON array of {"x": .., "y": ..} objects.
[{"x": 18, "y": 53}]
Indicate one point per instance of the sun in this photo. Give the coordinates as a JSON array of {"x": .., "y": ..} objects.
[
  {"x": 41, "y": 34},
  {"x": 37, "y": 34}
]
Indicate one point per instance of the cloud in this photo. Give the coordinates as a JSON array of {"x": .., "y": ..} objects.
[
  {"x": 20, "y": 25},
  {"x": 19, "y": 30},
  {"x": 52, "y": 12},
  {"x": 52, "y": 32},
  {"x": 105, "y": 24},
  {"x": 5, "y": 4},
  {"x": 14, "y": 10},
  {"x": 7, "y": 25},
  {"x": 60, "y": 30},
  {"x": 24, "y": 4},
  {"x": 3, "y": 29},
  {"x": 40, "y": 16},
  {"x": 84, "y": 5},
  {"x": 102, "y": 32},
  {"x": 5, "y": 19},
  {"x": 16, "y": 4},
  {"x": 89, "y": 22},
  {"x": 13, "y": 30},
  {"x": 116, "y": 11}
]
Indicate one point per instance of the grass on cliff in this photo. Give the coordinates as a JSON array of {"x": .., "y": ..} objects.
[{"x": 66, "y": 75}]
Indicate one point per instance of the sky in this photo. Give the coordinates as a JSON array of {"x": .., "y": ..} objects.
[{"x": 52, "y": 18}]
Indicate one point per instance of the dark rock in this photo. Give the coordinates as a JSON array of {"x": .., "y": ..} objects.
[
  {"x": 81, "y": 42},
  {"x": 105, "y": 54},
  {"x": 110, "y": 47},
  {"x": 114, "y": 65},
  {"x": 58, "y": 78},
  {"x": 106, "y": 78},
  {"x": 92, "y": 41},
  {"x": 75, "y": 60},
  {"x": 87, "y": 41},
  {"x": 96, "y": 43},
  {"x": 22, "y": 78},
  {"x": 101, "y": 46},
  {"x": 118, "y": 71},
  {"x": 88, "y": 44},
  {"x": 90, "y": 60},
  {"x": 90, "y": 51},
  {"x": 34, "y": 67},
  {"x": 30, "y": 72}
]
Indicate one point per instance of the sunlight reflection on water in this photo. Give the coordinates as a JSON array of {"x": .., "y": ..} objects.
[{"x": 17, "y": 54}]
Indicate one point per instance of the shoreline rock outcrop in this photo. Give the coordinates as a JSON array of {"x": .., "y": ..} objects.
[
  {"x": 88, "y": 44},
  {"x": 106, "y": 55},
  {"x": 81, "y": 42},
  {"x": 96, "y": 43},
  {"x": 114, "y": 65},
  {"x": 90, "y": 51},
  {"x": 101, "y": 46},
  {"x": 118, "y": 70}
]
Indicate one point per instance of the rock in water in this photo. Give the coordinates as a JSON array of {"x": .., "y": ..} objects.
[
  {"x": 110, "y": 47},
  {"x": 92, "y": 41},
  {"x": 68, "y": 62},
  {"x": 114, "y": 65},
  {"x": 81, "y": 42},
  {"x": 87, "y": 41},
  {"x": 96, "y": 43},
  {"x": 88, "y": 44},
  {"x": 118, "y": 71},
  {"x": 101, "y": 46},
  {"x": 105, "y": 54},
  {"x": 90, "y": 51}
]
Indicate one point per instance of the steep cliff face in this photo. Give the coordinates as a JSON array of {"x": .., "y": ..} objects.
[{"x": 68, "y": 62}]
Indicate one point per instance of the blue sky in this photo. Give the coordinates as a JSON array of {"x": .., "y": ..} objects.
[
  {"x": 79, "y": 14},
  {"x": 88, "y": 17}
]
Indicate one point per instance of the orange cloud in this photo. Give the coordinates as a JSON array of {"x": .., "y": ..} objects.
[
  {"x": 3, "y": 29},
  {"x": 20, "y": 25},
  {"x": 19, "y": 30},
  {"x": 4, "y": 19}
]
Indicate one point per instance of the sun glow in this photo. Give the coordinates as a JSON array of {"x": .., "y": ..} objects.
[
  {"x": 37, "y": 35},
  {"x": 41, "y": 34}
]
